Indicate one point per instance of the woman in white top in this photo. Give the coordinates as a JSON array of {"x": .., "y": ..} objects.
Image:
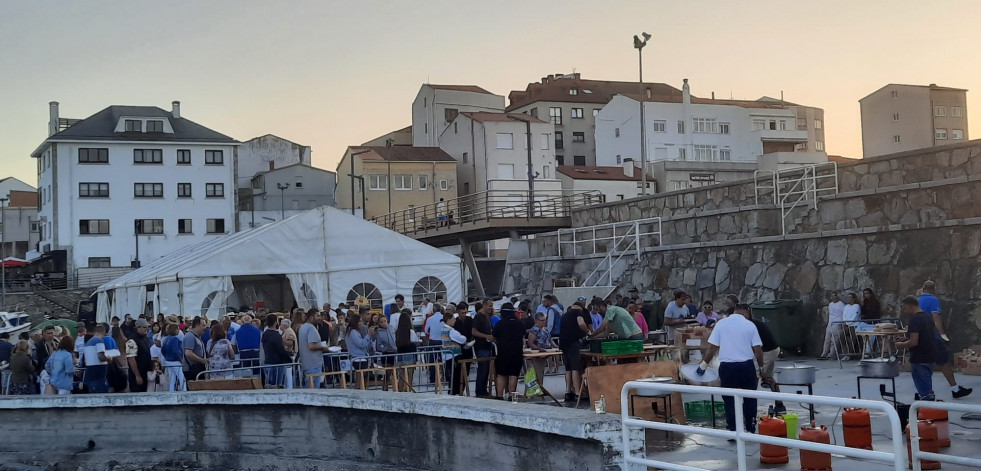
[
  {"x": 836, "y": 314},
  {"x": 853, "y": 310}
]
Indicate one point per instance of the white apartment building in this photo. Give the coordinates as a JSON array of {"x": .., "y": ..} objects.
[
  {"x": 615, "y": 183},
  {"x": 132, "y": 179},
  {"x": 491, "y": 150},
  {"x": 436, "y": 106},
  {"x": 265, "y": 153},
  {"x": 694, "y": 129}
]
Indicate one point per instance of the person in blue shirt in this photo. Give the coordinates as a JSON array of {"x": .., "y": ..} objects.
[
  {"x": 931, "y": 305},
  {"x": 61, "y": 366},
  {"x": 6, "y": 348},
  {"x": 248, "y": 340}
]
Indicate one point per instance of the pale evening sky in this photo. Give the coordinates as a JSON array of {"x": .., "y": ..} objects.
[{"x": 330, "y": 74}]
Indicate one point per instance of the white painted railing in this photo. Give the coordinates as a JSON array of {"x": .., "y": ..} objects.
[
  {"x": 631, "y": 240},
  {"x": 897, "y": 456},
  {"x": 915, "y": 437}
]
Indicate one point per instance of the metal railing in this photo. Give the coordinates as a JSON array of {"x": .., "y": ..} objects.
[
  {"x": 600, "y": 238},
  {"x": 248, "y": 372},
  {"x": 57, "y": 296},
  {"x": 487, "y": 205},
  {"x": 425, "y": 362},
  {"x": 896, "y": 457},
  {"x": 631, "y": 240},
  {"x": 848, "y": 345},
  {"x": 914, "y": 434},
  {"x": 761, "y": 186},
  {"x": 98, "y": 278},
  {"x": 796, "y": 186}
]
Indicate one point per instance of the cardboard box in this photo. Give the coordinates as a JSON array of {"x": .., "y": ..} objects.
[
  {"x": 692, "y": 338},
  {"x": 236, "y": 384},
  {"x": 968, "y": 361}
]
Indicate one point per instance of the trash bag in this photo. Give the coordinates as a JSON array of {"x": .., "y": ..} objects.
[{"x": 532, "y": 387}]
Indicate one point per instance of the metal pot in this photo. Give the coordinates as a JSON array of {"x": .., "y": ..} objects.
[
  {"x": 880, "y": 368},
  {"x": 797, "y": 374}
]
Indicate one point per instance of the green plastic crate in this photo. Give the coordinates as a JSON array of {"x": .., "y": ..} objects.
[
  {"x": 622, "y": 347},
  {"x": 701, "y": 411}
]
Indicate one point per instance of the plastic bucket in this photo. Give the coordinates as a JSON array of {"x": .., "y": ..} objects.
[{"x": 791, "y": 420}]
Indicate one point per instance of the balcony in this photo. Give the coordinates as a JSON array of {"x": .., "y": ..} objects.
[{"x": 783, "y": 135}]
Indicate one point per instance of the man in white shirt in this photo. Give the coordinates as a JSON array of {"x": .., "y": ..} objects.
[
  {"x": 675, "y": 314},
  {"x": 738, "y": 343},
  {"x": 426, "y": 308},
  {"x": 836, "y": 314}
]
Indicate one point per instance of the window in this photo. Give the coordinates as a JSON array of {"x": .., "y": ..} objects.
[
  {"x": 455, "y": 129},
  {"x": 725, "y": 155},
  {"x": 184, "y": 226},
  {"x": 896, "y": 139},
  {"x": 214, "y": 157},
  {"x": 134, "y": 125},
  {"x": 428, "y": 287},
  {"x": 940, "y": 111},
  {"x": 773, "y": 125},
  {"x": 534, "y": 112},
  {"x": 801, "y": 124},
  {"x": 148, "y": 190},
  {"x": 93, "y": 190},
  {"x": 579, "y": 160},
  {"x": 423, "y": 182},
  {"x": 703, "y": 125},
  {"x": 682, "y": 153},
  {"x": 759, "y": 124},
  {"x": 957, "y": 134},
  {"x": 412, "y": 212},
  {"x": 704, "y": 153},
  {"x": 449, "y": 114},
  {"x": 444, "y": 185},
  {"x": 154, "y": 126},
  {"x": 555, "y": 115},
  {"x": 216, "y": 226},
  {"x": 619, "y": 159},
  {"x": 819, "y": 145},
  {"x": 616, "y": 132},
  {"x": 802, "y": 147},
  {"x": 818, "y": 124},
  {"x": 956, "y": 112},
  {"x": 546, "y": 172},
  {"x": 941, "y": 134},
  {"x": 147, "y": 156},
  {"x": 559, "y": 144},
  {"x": 93, "y": 156},
  {"x": 183, "y": 157},
  {"x": 895, "y": 116},
  {"x": 149, "y": 226},
  {"x": 681, "y": 127},
  {"x": 894, "y": 94},
  {"x": 579, "y": 137},
  {"x": 723, "y": 128},
  {"x": 183, "y": 190},
  {"x": 595, "y": 112},
  {"x": 680, "y": 185},
  {"x": 466, "y": 188},
  {"x": 93, "y": 226},
  {"x": 505, "y": 140},
  {"x": 620, "y": 197},
  {"x": 298, "y": 184},
  {"x": 546, "y": 141},
  {"x": 783, "y": 125},
  {"x": 425, "y": 128},
  {"x": 214, "y": 190},
  {"x": 402, "y": 182},
  {"x": 100, "y": 262},
  {"x": 559, "y": 160},
  {"x": 466, "y": 157},
  {"x": 659, "y": 125},
  {"x": 573, "y": 91},
  {"x": 505, "y": 171},
  {"x": 576, "y": 113}
]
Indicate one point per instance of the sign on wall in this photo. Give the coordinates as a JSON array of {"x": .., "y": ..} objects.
[{"x": 701, "y": 177}]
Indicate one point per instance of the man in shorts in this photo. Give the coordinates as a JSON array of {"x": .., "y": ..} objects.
[
  {"x": 575, "y": 325},
  {"x": 931, "y": 305}
]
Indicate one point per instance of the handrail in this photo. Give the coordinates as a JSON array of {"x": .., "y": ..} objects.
[
  {"x": 803, "y": 181},
  {"x": 896, "y": 457},
  {"x": 593, "y": 238},
  {"x": 914, "y": 434},
  {"x": 634, "y": 235},
  {"x": 775, "y": 190}
]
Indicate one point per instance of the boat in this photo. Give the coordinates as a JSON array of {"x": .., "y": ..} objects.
[{"x": 14, "y": 323}]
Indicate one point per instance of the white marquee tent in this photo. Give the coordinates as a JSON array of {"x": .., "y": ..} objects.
[{"x": 321, "y": 255}]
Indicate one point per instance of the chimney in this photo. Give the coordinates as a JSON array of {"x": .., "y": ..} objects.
[
  {"x": 685, "y": 93},
  {"x": 272, "y": 165},
  {"x": 628, "y": 167},
  {"x": 53, "y": 118},
  {"x": 176, "y": 110},
  {"x": 713, "y": 95}
]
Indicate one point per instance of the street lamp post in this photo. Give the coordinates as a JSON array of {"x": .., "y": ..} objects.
[
  {"x": 639, "y": 45},
  {"x": 3, "y": 253},
  {"x": 282, "y": 199},
  {"x": 353, "y": 154}
]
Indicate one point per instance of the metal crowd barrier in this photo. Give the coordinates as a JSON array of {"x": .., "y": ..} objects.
[
  {"x": 897, "y": 457},
  {"x": 914, "y": 437},
  {"x": 848, "y": 345},
  {"x": 428, "y": 360},
  {"x": 289, "y": 380}
]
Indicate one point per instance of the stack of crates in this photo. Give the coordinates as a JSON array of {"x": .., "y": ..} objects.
[
  {"x": 701, "y": 411},
  {"x": 622, "y": 347}
]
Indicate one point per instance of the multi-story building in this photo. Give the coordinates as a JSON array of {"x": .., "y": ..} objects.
[
  {"x": 377, "y": 180},
  {"x": 571, "y": 105},
  {"x": 285, "y": 191},
  {"x": 436, "y": 106},
  {"x": 492, "y": 152},
  {"x": 18, "y": 219},
  {"x": 810, "y": 119},
  {"x": 897, "y": 118},
  {"x": 265, "y": 153},
  {"x": 399, "y": 137},
  {"x": 695, "y": 129},
  {"x": 10, "y": 183},
  {"x": 616, "y": 183},
  {"x": 130, "y": 184}
]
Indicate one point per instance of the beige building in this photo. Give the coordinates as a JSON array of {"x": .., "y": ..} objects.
[
  {"x": 392, "y": 179},
  {"x": 897, "y": 118},
  {"x": 399, "y": 137}
]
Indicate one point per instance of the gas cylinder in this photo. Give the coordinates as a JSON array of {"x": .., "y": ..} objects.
[
  {"x": 815, "y": 460},
  {"x": 773, "y": 427},
  {"x": 939, "y": 418},
  {"x": 928, "y": 442},
  {"x": 858, "y": 428}
]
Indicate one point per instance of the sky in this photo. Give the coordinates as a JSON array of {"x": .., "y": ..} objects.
[{"x": 329, "y": 74}]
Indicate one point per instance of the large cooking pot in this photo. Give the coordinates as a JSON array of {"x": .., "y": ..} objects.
[
  {"x": 880, "y": 367},
  {"x": 797, "y": 374}
]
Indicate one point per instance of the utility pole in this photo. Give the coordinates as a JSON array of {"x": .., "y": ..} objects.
[
  {"x": 531, "y": 172},
  {"x": 3, "y": 253},
  {"x": 361, "y": 178},
  {"x": 639, "y": 45},
  {"x": 282, "y": 199}
]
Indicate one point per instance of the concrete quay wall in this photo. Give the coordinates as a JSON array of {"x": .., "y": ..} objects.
[{"x": 286, "y": 430}]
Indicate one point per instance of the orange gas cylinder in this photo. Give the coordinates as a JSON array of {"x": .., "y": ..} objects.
[
  {"x": 939, "y": 418},
  {"x": 815, "y": 460},
  {"x": 773, "y": 427},
  {"x": 858, "y": 428},
  {"x": 928, "y": 442}
]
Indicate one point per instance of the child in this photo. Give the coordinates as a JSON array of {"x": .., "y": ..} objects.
[{"x": 157, "y": 380}]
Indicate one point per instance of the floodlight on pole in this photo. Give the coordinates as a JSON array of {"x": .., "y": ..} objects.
[
  {"x": 282, "y": 199},
  {"x": 639, "y": 45}
]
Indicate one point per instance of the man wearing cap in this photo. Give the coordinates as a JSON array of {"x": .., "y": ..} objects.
[
  {"x": 931, "y": 305},
  {"x": 138, "y": 357},
  {"x": 737, "y": 343}
]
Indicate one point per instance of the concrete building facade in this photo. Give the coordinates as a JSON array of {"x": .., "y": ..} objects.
[
  {"x": 296, "y": 188},
  {"x": 19, "y": 228},
  {"x": 898, "y": 118},
  {"x": 616, "y": 183},
  {"x": 571, "y": 104},
  {"x": 132, "y": 180},
  {"x": 265, "y": 153},
  {"x": 810, "y": 119},
  {"x": 399, "y": 137},
  {"x": 436, "y": 106}
]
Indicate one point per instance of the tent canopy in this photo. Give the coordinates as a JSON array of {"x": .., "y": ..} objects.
[{"x": 324, "y": 252}]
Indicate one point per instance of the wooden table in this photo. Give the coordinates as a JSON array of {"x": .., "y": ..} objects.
[
  {"x": 541, "y": 381},
  {"x": 649, "y": 351},
  {"x": 869, "y": 337},
  {"x": 465, "y": 374}
]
